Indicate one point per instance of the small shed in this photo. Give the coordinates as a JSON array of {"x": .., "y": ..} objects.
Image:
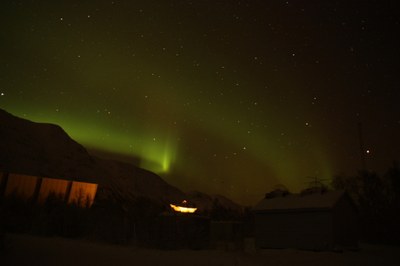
[{"x": 320, "y": 220}]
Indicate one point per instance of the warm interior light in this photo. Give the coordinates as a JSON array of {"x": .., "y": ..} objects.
[{"x": 182, "y": 209}]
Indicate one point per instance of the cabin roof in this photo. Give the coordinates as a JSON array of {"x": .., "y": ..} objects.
[{"x": 325, "y": 200}]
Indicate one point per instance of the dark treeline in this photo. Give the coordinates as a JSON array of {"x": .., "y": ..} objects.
[
  {"x": 108, "y": 220},
  {"x": 141, "y": 222},
  {"x": 378, "y": 202}
]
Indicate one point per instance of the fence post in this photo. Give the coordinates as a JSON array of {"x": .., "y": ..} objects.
[{"x": 3, "y": 184}]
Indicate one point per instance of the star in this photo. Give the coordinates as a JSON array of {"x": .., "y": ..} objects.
[{"x": 185, "y": 81}]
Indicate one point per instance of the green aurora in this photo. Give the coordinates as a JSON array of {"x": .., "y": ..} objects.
[{"x": 221, "y": 97}]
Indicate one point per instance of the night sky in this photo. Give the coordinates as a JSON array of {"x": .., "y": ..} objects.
[{"x": 228, "y": 97}]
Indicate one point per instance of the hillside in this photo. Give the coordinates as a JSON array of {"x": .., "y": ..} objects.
[
  {"x": 205, "y": 202},
  {"x": 46, "y": 150},
  {"x": 42, "y": 149}
]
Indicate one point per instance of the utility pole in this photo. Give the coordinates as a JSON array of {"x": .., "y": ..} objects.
[{"x": 362, "y": 151}]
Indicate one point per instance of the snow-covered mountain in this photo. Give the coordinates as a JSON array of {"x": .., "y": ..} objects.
[
  {"x": 46, "y": 150},
  {"x": 205, "y": 202}
]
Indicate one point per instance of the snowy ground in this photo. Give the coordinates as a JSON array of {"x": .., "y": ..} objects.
[{"x": 30, "y": 250}]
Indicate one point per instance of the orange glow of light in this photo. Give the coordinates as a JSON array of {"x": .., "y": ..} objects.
[{"x": 182, "y": 209}]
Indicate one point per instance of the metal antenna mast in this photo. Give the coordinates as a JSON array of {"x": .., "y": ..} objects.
[{"x": 362, "y": 151}]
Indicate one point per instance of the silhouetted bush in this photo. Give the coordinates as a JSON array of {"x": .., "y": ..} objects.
[
  {"x": 53, "y": 217},
  {"x": 17, "y": 214},
  {"x": 378, "y": 201}
]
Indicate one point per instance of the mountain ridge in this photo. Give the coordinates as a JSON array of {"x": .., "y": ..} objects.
[{"x": 46, "y": 150}]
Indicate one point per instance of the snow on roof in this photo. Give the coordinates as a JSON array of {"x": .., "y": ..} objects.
[{"x": 325, "y": 200}]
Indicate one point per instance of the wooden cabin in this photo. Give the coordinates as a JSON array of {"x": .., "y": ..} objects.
[{"x": 322, "y": 220}]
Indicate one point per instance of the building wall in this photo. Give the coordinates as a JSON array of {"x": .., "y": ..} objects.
[
  {"x": 82, "y": 193},
  {"x": 2, "y": 183},
  {"x": 183, "y": 231},
  {"x": 55, "y": 187},
  {"x": 22, "y": 186},
  {"x": 304, "y": 230},
  {"x": 345, "y": 224},
  {"x": 38, "y": 189},
  {"x": 226, "y": 233}
]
